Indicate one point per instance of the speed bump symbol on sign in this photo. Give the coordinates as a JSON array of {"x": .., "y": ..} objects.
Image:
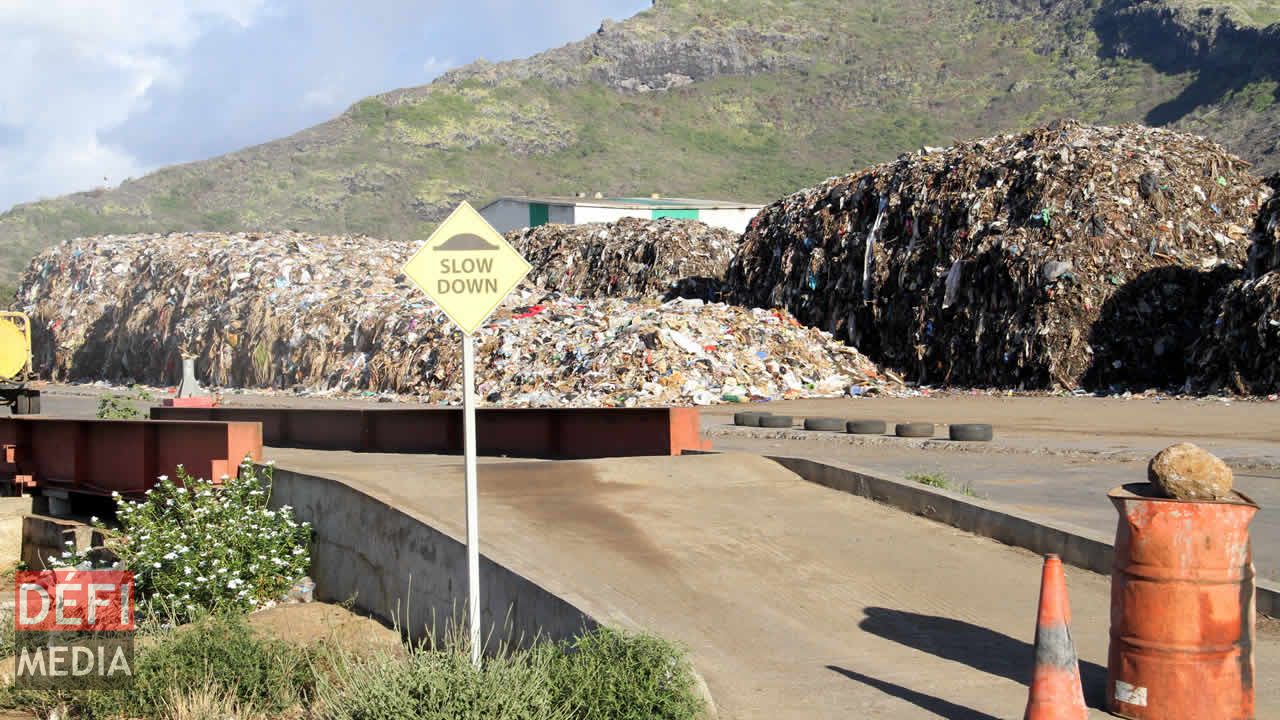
[{"x": 467, "y": 268}]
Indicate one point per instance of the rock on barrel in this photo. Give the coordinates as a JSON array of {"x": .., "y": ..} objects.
[{"x": 1182, "y": 608}]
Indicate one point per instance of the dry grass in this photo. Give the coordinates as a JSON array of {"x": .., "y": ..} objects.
[{"x": 209, "y": 702}]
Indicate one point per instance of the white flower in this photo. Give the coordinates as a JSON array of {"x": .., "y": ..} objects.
[
  {"x": 164, "y": 478},
  {"x": 155, "y": 565},
  {"x": 94, "y": 519},
  {"x": 271, "y": 463}
]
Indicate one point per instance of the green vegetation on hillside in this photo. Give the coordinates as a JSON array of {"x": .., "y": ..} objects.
[
  {"x": 787, "y": 93},
  {"x": 1251, "y": 13}
]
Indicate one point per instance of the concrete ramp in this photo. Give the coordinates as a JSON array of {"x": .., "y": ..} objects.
[{"x": 795, "y": 601}]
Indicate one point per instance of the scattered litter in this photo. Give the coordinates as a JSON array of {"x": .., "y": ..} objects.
[
  {"x": 317, "y": 315},
  {"x": 991, "y": 263},
  {"x": 1241, "y": 343},
  {"x": 1240, "y": 340},
  {"x": 632, "y": 257},
  {"x": 1264, "y": 254}
]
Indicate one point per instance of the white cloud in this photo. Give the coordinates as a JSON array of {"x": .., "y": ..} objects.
[
  {"x": 71, "y": 70},
  {"x": 434, "y": 66},
  {"x": 115, "y": 88},
  {"x": 320, "y": 97}
]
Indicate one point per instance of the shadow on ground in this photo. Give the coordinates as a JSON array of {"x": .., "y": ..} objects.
[
  {"x": 973, "y": 645},
  {"x": 935, "y": 705}
]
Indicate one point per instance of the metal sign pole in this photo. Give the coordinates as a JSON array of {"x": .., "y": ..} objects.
[
  {"x": 473, "y": 527},
  {"x": 467, "y": 268}
]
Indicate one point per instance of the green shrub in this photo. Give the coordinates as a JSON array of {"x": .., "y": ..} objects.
[
  {"x": 442, "y": 684},
  {"x": 610, "y": 675},
  {"x": 216, "y": 652},
  {"x": 121, "y": 407},
  {"x": 939, "y": 480},
  {"x": 934, "y": 479},
  {"x": 603, "y": 675},
  {"x": 193, "y": 546},
  {"x": 264, "y": 674}
]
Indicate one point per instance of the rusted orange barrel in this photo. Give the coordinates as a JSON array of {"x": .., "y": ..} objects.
[{"x": 1182, "y": 608}]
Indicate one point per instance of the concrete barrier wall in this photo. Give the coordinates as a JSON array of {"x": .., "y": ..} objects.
[
  {"x": 405, "y": 572},
  {"x": 548, "y": 433},
  {"x": 1077, "y": 546},
  {"x": 43, "y": 537}
]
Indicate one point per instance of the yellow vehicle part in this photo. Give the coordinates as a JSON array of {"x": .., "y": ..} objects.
[{"x": 15, "y": 345}]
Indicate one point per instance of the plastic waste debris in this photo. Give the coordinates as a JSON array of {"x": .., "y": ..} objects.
[
  {"x": 991, "y": 263},
  {"x": 348, "y": 322},
  {"x": 631, "y": 257}
]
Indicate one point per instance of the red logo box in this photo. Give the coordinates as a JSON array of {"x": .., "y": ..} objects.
[{"x": 74, "y": 601}]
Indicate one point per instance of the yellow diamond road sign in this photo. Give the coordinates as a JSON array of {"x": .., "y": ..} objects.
[{"x": 467, "y": 268}]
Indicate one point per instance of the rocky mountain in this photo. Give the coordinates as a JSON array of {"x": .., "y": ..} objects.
[{"x": 748, "y": 99}]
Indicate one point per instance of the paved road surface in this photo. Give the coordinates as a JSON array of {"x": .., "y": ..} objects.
[
  {"x": 1071, "y": 489},
  {"x": 1052, "y": 457},
  {"x": 1024, "y": 474},
  {"x": 1241, "y": 428},
  {"x": 796, "y": 601}
]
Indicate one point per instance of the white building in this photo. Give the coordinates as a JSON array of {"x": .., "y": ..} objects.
[{"x": 515, "y": 213}]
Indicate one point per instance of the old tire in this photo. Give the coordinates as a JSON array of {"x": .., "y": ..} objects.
[
  {"x": 914, "y": 430},
  {"x": 776, "y": 421},
  {"x": 825, "y": 424},
  {"x": 748, "y": 419},
  {"x": 971, "y": 432},
  {"x": 866, "y": 427}
]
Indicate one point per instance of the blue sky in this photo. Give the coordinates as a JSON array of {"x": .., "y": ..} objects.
[{"x": 96, "y": 91}]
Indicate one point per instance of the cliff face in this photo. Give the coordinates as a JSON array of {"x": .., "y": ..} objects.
[
  {"x": 748, "y": 99},
  {"x": 1233, "y": 62}
]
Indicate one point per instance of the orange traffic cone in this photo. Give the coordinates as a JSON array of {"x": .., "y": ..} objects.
[{"x": 1056, "y": 693}]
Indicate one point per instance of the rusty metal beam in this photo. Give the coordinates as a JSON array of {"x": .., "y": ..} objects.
[
  {"x": 550, "y": 433},
  {"x": 104, "y": 456}
]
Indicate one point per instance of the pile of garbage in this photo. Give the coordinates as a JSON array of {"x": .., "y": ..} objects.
[
  {"x": 333, "y": 314},
  {"x": 1264, "y": 255},
  {"x": 1241, "y": 343},
  {"x": 631, "y": 257},
  {"x": 991, "y": 263},
  {"x": 1241, "y": 339}
]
